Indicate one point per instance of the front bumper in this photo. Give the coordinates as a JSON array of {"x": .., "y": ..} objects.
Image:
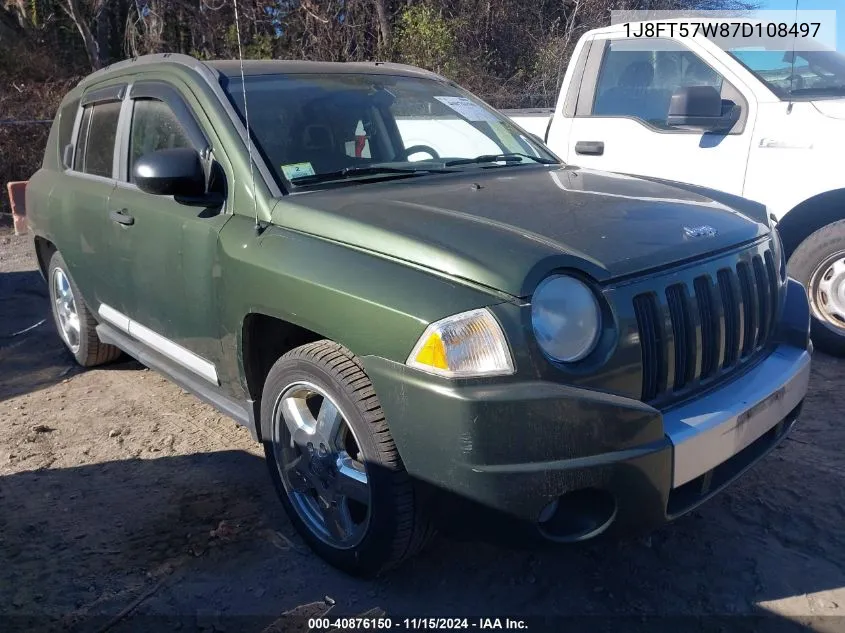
[{"x": 521, "y": 449}]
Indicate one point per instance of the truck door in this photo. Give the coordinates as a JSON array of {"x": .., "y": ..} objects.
[{"x": 619, "y": 123}]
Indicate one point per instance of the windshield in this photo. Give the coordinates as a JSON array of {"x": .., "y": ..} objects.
[
  {"x": 314, "y": 129},
  {"x": 804, "y": 74}
]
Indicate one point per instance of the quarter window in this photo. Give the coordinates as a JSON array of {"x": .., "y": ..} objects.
[
  {"x": 154, "y": 127},
  {"x": 97, "y": 133},
  {"x": 637, "y": 78}
]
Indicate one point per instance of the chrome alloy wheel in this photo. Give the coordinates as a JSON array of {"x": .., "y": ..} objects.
[
  {"x": 827, "y": 290},
  {"x": 321, "y": 465},
  {"x": 66, "y": 312}
]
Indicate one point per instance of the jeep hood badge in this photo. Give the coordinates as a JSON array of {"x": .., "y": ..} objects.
[{"x": 700, "y": 231}]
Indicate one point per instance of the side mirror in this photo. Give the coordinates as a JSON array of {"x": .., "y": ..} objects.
[
  {"x": 699, "y": 108},
  {"x": 170, "y": 172}
]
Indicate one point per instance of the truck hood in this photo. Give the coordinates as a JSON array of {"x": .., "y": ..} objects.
[{"x": 507, "y": 228}]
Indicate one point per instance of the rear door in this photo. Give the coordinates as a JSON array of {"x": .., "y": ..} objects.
[
  {"x": 619, "y": 122},
  {"x": 81, "y": 196},
  {"x": 170, "y": 246}
]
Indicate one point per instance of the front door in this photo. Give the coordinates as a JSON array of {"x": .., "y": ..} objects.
[
  {"x": 620, "y": 120},
  {"x": 171, "y": 299}
]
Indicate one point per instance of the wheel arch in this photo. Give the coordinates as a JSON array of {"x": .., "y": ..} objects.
[
  {"x": 44, "y": 250},
  {"x": 809, "y": 216},
  {"x": 263, "y": 339}
]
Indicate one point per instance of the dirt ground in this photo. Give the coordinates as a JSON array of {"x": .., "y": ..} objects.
[{"x": 127, "y": 504}]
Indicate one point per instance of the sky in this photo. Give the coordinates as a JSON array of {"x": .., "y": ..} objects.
[{"x": 814, "y": 5}]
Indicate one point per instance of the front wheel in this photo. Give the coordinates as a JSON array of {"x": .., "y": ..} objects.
[
  {"x": 334, "y": 463},
  {"x": 819, "y": 264}
]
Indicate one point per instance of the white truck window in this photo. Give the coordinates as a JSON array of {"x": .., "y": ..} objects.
[
  {"x": 637, "y": 78},
  {"x": 809, "y": 74}
]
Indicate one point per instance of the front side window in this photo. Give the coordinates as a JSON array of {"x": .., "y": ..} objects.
[
  {"x": 322, "y": 128},
  {"x": 637, "y": 78},
  {"x": 95, "y": 144},
  {"x": 154, "y": 127}
]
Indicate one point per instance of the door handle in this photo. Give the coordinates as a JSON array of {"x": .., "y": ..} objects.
[
  {"x": 592, "y": 148},
  {"x": 122, "y": 217}
]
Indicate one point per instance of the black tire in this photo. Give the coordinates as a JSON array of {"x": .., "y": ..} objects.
[
  {"x": 397, "y": 528},
  {"x": 89, "y": 350},
  {"x": 804, "y": 265}
]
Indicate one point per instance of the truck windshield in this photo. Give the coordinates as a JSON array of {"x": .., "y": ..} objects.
[
  {"x": 325, "y": 128},
  {"x": 805, "y": 74}
]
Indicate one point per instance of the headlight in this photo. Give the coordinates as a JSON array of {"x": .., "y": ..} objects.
[
  {"x": 566, "y": 318},
  {"x": 467, "y": 344}
]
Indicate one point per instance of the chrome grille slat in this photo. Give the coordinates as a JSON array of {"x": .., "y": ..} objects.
[
  {"x": 749, "y": 308},
  {"x": 682, "y": 329},
  {"x": 645, "y": 309},
  {"x": 733, "y": 316},
  {"x": 764, "y": 308},
  {"x": 711, "y": 344}
]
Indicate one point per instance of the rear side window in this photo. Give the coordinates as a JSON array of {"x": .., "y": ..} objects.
[
  {"x": 154, "y": 127},
  {"x": 97, "y": 133}
]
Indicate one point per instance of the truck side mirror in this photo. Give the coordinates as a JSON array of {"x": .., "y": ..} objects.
[
  {"x": 170, "y": 172},
  {"x": 699, "y": 108}
]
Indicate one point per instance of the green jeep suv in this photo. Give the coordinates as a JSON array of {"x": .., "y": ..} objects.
[{"x": 424, "y": 316}]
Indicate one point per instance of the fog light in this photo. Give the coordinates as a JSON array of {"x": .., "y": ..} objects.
[{"x": 577, "y": 516}]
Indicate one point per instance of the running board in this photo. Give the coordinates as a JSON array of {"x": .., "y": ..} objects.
[{"x": 200, "y": 388}]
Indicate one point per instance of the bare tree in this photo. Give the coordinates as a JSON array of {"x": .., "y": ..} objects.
[{"x": 81, "y": 21}]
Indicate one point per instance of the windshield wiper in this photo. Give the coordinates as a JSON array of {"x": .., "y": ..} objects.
[
  {"x": 511, "y": 157},
  {"x": 371, "y": 170}
]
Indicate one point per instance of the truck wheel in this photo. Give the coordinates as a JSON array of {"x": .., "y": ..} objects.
[
  {"x": 334, "y": 462},
  {"x": 819, "y": 264},
  {"x": 76, "y": 326}
]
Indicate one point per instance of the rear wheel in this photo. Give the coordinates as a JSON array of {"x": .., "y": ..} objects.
[
  {"x": 76, "y": 326},
  {"x": 819, "y": 263},
  {"x": 334, "y": 462}
]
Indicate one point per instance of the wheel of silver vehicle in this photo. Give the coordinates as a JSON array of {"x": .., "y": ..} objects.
[
  {"x": 334, "y": 463},
  {"x": 65, "y": 307},
  {"x": 321, "y": 465},
  {"x": 827, "y": 290}
]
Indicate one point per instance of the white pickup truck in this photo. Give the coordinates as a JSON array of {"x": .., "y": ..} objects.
[{"x": 751, "y": 118}]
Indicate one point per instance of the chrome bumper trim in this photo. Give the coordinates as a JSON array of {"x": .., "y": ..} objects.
[{"x": 709, "y": 431}]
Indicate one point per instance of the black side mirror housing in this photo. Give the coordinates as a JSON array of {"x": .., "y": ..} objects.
[
  {"x": 699, "y": 108},
  {"x": 170, "y": 172}
]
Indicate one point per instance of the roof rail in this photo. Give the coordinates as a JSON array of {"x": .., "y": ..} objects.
[
  {"x": 399, "y": 66},
  {"x": 155, "y": 58}
]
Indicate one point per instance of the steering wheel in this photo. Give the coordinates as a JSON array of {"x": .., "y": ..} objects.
[{"x": 415, "y": 149}]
